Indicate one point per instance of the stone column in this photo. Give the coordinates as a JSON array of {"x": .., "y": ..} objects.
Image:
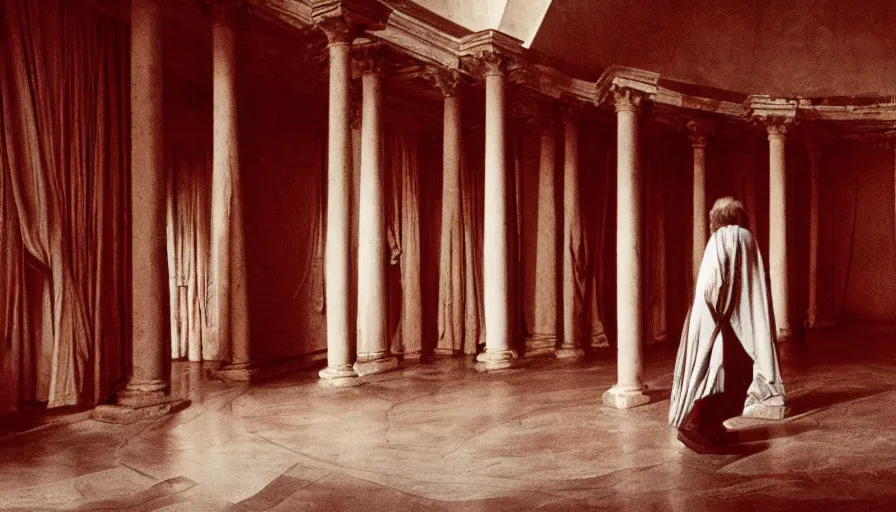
[
  {"x": 451, "y": 277},
  {"x": 570, "y": 346},
  {"x": 373, "y": 253},
  {"x": 148, "y": 386},
  {"x": 496, "y": 280},
  {"x": 543, "y": 338},
  {"x": 228, "y": 270},
  {"x": 814, "y": 171},
  {"x": 699, "y": 131},
  {"x": 629, "y": 390},
  {"x": 337, "y": 263},
  {"x": 777, "y": 228}
]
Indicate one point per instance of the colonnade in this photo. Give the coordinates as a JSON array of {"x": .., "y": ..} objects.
[{"x": 345, "y": 362}]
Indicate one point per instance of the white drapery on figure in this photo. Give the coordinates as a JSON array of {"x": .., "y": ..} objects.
[
  {"x": 189, "y": 215},
  {"x": 405, "y": 300},
  {"x": 63, "y": 182},
  {"x": 731, "y": 290}
]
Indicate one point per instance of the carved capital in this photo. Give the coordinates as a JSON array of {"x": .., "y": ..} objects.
[
  {"x": 545, "y": 119},
  {"x": 486, "y": 63},
  {"x": 700, "y": 129},
  {"x": 447, "y": 80},
  {"x": 814, "y": 151},
  {"x": 627, "y": 100},
  {"x": 370, "y": 58},
  {"x": 777, "y": 127},
  {"x": 337, "y": 30},
  {"x": 571, "y": 112},
  {"x": 222, "y": 11}
]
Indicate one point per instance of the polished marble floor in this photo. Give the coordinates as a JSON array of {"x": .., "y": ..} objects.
[{"x": 440, "y": 436}]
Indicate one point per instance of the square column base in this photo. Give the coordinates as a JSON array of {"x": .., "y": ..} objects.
[
  {"x": 626, "y": 397},
  {"x": 497, "y": 360},
  {"x": 374, "y": 366},
  {"x": 339, "y": 377},
  {"x": 237, "y": 372},
  {"x": 569, "y": 353},
  {"x": 540, "y": 345},
  {"x": 134, "y": 406}
]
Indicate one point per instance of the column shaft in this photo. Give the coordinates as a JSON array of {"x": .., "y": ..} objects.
[
  {"x": 496, "y": 284},
  {"x": 700, "y": 211},
  {"x": 777, "y": 237},
  {"x": 228, "y": 249},
  {"x": 336, "y": 259},
  {"x": 150, "y": 307},
  {"x": 573, "y": 300},
  {"x": 814, "y": 164},
  {"x": 451, "y": 276},
  {"x": 373, "y": 337},
  {"x": 543, "y": 337},
  {"x": 628, "y": 391}
]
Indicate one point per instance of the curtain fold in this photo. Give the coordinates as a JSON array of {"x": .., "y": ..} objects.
[
  {"x": 654, "y": 260},
  {"x": 64, "y": 145}
]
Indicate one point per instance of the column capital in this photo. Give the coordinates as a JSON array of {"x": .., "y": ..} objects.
[
  {"x": 627, "y": 100},
  {"x": 545, "y": 119},
  {"x": 777, "y": 127},
  {"x": 337, "y": 29},
  {"x": 813, "y": 148},
  {"x": 571, "y": 112},
  {"x": 446, "y": 80},
  {"x": 700, "y": 130},
  {"x": 221, "y": 11},
  {"x": 487, "y": 63},
  {"x": 369, "y": 58}
]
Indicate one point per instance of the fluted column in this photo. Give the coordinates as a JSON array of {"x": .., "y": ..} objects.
[
  {"x": 337, "y": 263},
  {"x": 542, "y": 339},
  {"x": 228, "y": 270},
  {"x": 699, "y": 132},
  {"x": 451, "y": 275},
  {"x": 373, "y": 337},
  {"x": 777, "y": 232},
  {"x": 629, "y": 390},
  {"x": 573, "y": 299},
  {"x": 814, "y": 171},
  {"x": 496, "y": 279}
]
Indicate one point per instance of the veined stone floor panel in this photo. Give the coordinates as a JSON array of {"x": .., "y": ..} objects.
[{"x": 441, "y": 436}]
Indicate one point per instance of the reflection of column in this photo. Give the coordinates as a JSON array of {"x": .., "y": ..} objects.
[
  {"x": 451, "y": 274},
  {"x": 227, "y": 250},
  {"x": 373, "y": 337},
  {"x": 543, "y": 338},
  {"x": 777, "y": 228},
  {"x": 629, "y": 390},
  {"x": 339, "y": 369},
  {"x": 698, "y": 143},
  {"x": 496, "y": 284},
  {"x": 150, "y": 379},
  {"x": 814, "y": 168},
  {"x": 573, "y": 296}
]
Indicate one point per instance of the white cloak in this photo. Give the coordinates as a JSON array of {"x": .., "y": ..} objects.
[{"x": 731, "y": 288}]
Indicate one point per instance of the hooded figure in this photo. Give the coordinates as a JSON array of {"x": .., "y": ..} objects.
[{"x": 727, "y": 351}]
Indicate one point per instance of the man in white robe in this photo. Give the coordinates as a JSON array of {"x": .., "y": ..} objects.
[{"x": 727, "y": 350}]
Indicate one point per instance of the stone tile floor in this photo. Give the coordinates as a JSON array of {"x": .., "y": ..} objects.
[{"x": 440, "y": 436}]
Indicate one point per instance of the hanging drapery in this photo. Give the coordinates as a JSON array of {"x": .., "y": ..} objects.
[
  {"x": 654, "y": 260},
  {"x": 64, "y": 162},
  {"x": 406, "y": 300},
  {"x": 189, "y": 213},
  {"x": 596, "y": 178}
]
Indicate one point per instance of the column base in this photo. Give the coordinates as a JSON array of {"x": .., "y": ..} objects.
[
  {"x": 237, "y": 372},
  {"x": 600, "y": 341},
  {"x": 339, "y": 377},
  {"x": 373, "y": 366},
  {"x": 443, "y": 352},
  {"x": 784, "y": 335},
  {"x": 570, "y": 353},
  {"x": 626, "y": 397},
  {"x": 495, "y": 360},
  {"x": 412, "y": 357},
  {"x": 540, "y": 345},
  {"x": 139, "y": 402}
]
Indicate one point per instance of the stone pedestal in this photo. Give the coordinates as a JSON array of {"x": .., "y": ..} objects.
[
  {"x": 570, "y": 345},
  {"x": 777, "y": 232},
  {"x": 629, "y": 390},
  {"x": 337, "y": 265},
  {"x": 496, "y": 280}
]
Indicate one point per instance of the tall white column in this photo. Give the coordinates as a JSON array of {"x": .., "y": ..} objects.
[
  {"x": 629, "y": 390},
  {"x": 814, "y": 171},
  {"x": 337, "y": 263},
  {"x": 571, "y": 345},
  {"x": 496, "y": 279},
  {"x": 373, "y": 337},
  {"x": 451, "y": 276},
  {"x": 228, "y": 270},
  {"x": 150, "y": 376},
  {"x": 542, "y": 339},
  {"x": 699, "y": 132},
  {"x": 777, "y": 228}
]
